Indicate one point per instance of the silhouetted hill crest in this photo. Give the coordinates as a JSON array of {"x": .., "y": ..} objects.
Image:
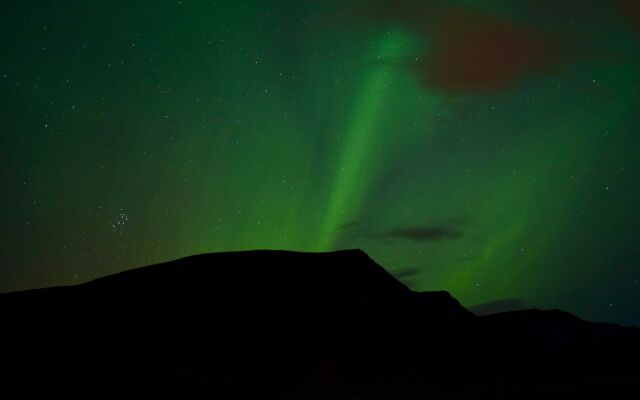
[{"x": 297, "y": 326}]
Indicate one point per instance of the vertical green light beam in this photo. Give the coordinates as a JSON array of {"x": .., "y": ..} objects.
[{"x": 355, "y": 161}]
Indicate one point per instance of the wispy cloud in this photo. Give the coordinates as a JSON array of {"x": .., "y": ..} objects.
[
  {"x": 447, "y": 229},
  {"x": 498, "y": 306}
]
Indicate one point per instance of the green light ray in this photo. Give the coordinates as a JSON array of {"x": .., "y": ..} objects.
[{"x": 355, "y": 163}]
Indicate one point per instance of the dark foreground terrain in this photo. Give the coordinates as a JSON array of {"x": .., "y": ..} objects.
[{"x": 285, "y": 325}]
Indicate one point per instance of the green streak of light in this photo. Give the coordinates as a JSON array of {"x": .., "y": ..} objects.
[{"x": 353, "y": 167}]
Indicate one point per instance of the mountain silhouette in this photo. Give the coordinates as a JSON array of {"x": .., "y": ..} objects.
[{"x": 290, "y": 325}]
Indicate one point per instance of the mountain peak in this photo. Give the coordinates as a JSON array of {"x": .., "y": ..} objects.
[
  {"x": 295, "y": 325},
  {"x": 261, "y": 272}
]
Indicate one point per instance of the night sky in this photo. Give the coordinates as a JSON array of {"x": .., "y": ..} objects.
[{"x": 488, "y": 148}]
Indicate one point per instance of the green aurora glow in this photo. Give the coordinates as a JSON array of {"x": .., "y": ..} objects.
[{"x": 134, "y": 133}]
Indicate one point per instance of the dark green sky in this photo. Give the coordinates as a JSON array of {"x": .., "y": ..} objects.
[{"x": 489, "y": 148}]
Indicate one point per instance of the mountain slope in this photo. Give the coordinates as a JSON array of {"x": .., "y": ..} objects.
[{"x": 296, "y": 325}]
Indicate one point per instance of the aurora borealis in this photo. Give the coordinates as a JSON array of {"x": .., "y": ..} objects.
[{"x": 487, "y": 148}]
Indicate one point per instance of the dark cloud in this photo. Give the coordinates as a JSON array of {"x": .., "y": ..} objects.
[
  {"x": 420, "y": 233},
  {"x": 447, "y": 229},
  {"x": 406, "y": 273},
  {"x": 498, "y": 306}
]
